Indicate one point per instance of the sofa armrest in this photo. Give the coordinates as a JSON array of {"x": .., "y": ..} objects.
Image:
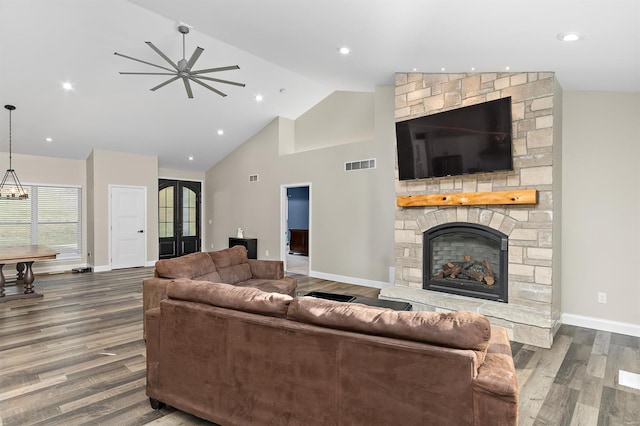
[
  {"x": 154, "y": 290},
  {"x": 495, "y": 389},
  {"x": 267, "y": 269}
]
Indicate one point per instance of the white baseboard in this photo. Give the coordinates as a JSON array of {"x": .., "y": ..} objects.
[
  {"x": 102, "y": 268},
  {"x": 601, "y": 324},
  {"x": 349, "y": 280}
]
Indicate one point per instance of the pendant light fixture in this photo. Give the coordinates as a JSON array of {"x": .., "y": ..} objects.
[{"x": 9, "y": 190}]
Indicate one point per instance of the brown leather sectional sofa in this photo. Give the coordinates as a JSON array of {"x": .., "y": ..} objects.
[
  {"x": 230, "y": 266},
  {"x": 241, "y": 356}
]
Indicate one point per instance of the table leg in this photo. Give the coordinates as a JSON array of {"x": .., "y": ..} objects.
[
  {"x": 1, "y": 280},
  {"x": 20, "y": 270},
  {"x": 28, "y": 278}
]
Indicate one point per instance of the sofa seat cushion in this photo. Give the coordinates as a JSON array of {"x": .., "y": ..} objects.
[
  {"x": 197, "y": 265},
  {"x": 228, "y": 296},
  {"x": 232, "y": 264},
  {"x": 461, "y": 330},
  {"x": 286, "y": 285}
]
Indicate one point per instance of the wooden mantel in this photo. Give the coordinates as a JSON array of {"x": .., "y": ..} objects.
[{"x": 522, "y": 196}]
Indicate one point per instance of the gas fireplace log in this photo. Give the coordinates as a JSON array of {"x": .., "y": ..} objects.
[
  {"x": 478, "y": 276},
  {"x": 451, "y": 270},
  {"x": 489, "y": 277},
  {"x": 467, "y": 265}
]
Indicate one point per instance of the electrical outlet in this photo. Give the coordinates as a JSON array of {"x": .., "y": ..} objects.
[
  {"x": 266, "y": 253},
  {"x": 211, "y": 245},
  {"x": 602, "y": 297}
]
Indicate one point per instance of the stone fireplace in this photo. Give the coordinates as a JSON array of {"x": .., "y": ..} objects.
[{"x": 524, "y": 239}]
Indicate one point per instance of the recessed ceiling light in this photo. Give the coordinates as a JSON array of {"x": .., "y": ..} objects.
[
  {"x": 344, "y": 50},
  {"x": 415, "y": 69},
  {"x": 221, "y": 132},
  {"x": 259, "y": 98},
  {"x": 507, "y": 68},
  {"x": 473, "y": 68},
  {"x": 48, "y": 139},
  {"x": 442, "y": 69},
  {"x": 570, "y": 36},
  {"x": 191, "y": 158},
  {"x": 67, "y": 86}
]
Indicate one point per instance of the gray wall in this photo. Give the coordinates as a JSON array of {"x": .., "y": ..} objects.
[
  {"x": 106, "y": 168},
  {"x": 352, "y": 213},
  {"x": 601, "y": 205}
]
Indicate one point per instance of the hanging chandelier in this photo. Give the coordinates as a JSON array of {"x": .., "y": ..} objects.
[{"x": 9, "y": 190}]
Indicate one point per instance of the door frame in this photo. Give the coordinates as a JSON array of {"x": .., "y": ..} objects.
[
  {"x": 203, "y": 227},
  {"x": 110, "y": 220},
  {"x": 284, "y": 202}
]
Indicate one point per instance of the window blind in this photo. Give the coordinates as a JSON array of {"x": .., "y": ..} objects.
[{"x": 51, "y": 216}]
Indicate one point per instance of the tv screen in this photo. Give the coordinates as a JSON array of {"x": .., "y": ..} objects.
[{"x": 472, "y": 139}]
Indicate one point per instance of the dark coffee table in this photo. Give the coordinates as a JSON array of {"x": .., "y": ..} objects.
[{"x": 398, "y": 306}]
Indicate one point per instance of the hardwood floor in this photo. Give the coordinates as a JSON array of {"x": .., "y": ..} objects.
[{"x": 76, "y": 356}]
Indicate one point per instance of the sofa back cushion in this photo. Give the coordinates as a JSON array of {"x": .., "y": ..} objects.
[
  {"x": 193, "y": 266},
  {"x": 461, "y": 330},
  {"x": 232, "y": 264},
  {"x": 231, "y": 297}
]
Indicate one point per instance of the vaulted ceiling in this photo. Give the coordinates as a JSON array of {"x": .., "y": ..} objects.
[{"x": 287, "y": 51}]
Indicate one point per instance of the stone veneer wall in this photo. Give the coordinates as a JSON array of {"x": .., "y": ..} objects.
[{"x": 533, "y": 312}]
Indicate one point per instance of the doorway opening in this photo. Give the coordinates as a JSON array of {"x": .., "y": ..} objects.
[
  {"x": 179, "y": 228},
  {"x": 296, "y": 224}
]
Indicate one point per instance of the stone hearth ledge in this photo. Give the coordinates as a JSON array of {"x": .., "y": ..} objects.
[{"x": 524, "y": 324}]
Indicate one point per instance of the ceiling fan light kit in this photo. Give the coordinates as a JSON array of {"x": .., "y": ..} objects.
[
  {"x": 8, "y": 190},
  {"x": 184, "y": 69}
]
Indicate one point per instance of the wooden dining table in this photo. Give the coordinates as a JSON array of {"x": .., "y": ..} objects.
[{"x": 23, "y": 256}]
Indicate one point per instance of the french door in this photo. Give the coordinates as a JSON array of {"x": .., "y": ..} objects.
[{"x": 178, "y": 217}]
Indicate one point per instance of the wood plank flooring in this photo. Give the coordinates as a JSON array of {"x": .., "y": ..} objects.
[{"x": 76, "y": 356}]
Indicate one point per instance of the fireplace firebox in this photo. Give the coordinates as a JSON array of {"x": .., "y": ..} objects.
[{"x": 466, "y": 259}]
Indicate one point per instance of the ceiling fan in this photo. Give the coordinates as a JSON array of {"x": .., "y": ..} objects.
[{"x": 183, "y": 69}]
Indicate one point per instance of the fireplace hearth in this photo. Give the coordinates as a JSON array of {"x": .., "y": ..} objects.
[{"x": 466, "y": 259}]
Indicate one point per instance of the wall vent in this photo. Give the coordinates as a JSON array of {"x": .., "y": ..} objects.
[
  {"x": 360, "y": 165},
  {"x": 253, "y": 178}
]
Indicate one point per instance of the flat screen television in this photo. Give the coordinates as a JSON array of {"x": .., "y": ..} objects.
[{"x": 471, "y": 139}]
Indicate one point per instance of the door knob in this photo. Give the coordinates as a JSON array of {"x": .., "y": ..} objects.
[{"x": 141, "y": 231}]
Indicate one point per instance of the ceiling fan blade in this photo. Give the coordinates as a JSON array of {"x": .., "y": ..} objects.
[
  {"x": 187, "y": 87},
  {"x": 208, "y": 87},
  {"x": 232, "y": 67},
  {"x": 222, "y": 81},
  {"x": 165, "y": 83},
  {"x": 144, "y": 62},
  {"x": 194, "y": 57},
  {"x": 148, "y": 73},
  {"x": 165, "y": 57}
]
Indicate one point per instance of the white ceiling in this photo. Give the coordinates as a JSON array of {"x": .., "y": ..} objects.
[{"x": 279, "y": 44}]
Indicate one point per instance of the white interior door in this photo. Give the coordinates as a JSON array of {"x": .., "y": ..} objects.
[{"x": 128, "y": 226}]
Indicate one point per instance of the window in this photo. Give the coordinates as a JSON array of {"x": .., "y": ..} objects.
[
  {"x": 50, "y": 216},
  {"x": 165, "y": 221}
]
